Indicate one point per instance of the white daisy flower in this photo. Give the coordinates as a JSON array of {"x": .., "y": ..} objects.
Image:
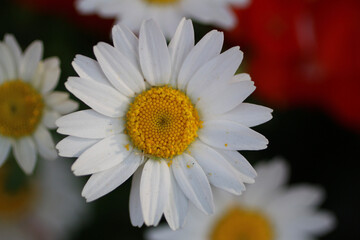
[
  {"x": 47, "y": 207},
  {"x": 171, "y": 115},
  {"x": 28, "y": 105},
  {"x": 167, "y": 13},
  {"x": 268, "y": 210}
]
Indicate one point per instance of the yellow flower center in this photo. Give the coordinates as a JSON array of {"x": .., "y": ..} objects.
[
  {"x": 161, "y": 2},
  {"x": 13, "y": 204},
  {"x": 21, "y": 108},
  {"x": 242, "y": 224},
  {"x": 162, "y": 122}
]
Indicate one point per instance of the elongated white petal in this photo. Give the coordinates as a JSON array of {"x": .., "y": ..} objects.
[
  {"x": 103, "y": 155},
  {"x": 49, "y": 118},
  {"x": 228, "y": 135},
  {"x": 314, "y": 223},
  {"x": 89, "y": 69},
  {"x": 207, "y": 48},
  {"x": 51, "y": 74},
  {"x": 30, "y": 60},
  {"x": 136, "y": 215},
  {"x": 239, "y": 162},
  {"x": 45, "y": 143},
  {"x": 25, "y": 154},
  {"x": 14, "y": 47},
  {"x": 154, "y": 190},
  {"x": 127, "y": 43},
  {"x": 271, "y": 177},
  {"x": 218, "y": 70},
  {"x": 103, "y": 99},
  {"x": 106, "y": 181},
  {"x": 248, "y": 114},
  {"x": 60, "y": 102},
  {"x": 193, "y": 182},
  {"x": 154, "y": 54},
  {"x": 123, "y": 75},
  {"x": 74, "y": 146},
  {"x": 7, "y": 62},
  {"x": 219, "y": 172},
  {"x": 5, "y": 146},
  {"x": 224, "y": 99},
  {"x": 179, "y": 48},
  {"x": 177, "y": 205},
  {"x": 89, "y": 124}
]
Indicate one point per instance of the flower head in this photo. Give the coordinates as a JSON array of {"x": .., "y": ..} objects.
[
  {"x": 32, "y": 211},
  {"x": 167, "y": 13},
  {"x": 28, "y": 105},
  {"x": 173, "y": 116},
  {"x": 268, "y": 210}
]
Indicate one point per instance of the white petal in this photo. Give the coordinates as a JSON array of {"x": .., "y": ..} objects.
[
  {"x": 207, "y": 48},
  {"x": 154, "y": 190},
  {"x": 154, "y": 55},
  {"x": 60, "y": 102},
  {"x": 247, "y": 172},
  {"x": 220, "y": 173},
  {"x": 5, "y": 146},
  {"x": 49, "y": 118},
  {"x": 297, "y": 199},
  {"x": 106, "y": 181},
  {"x": 89, "y": 69},
  {"x": 45, "y": 143},
  {"x": 136, "y": 215},
  {"x": 179, "y": 48},
  {"x": 89, "y": 124},
  {"x": 123, "y": 75},
  {"x": 193, "y": 182},
  {"x": 272, "y": 176},
  {"x": 177, "y": 205},
  {"x": 30, "y": 60},
  {"x": 228, "y": 135},
  {"x": 25, "y": 154},
  {"x": 51, "y": 74},
  {"x": 103, "y": 155},
  {"x": 224, "y": 99},
  {"x": 101, "y": 98},
  {"x": 314, "y": 223},
  {"x": 7, "y": 62},
  {"x": 248, "y": 114},
  {"x": 127, "y": 43},
  {"x": 74, "y": 146},
  {"x": 217, "y": 72},
  {"x": 14, "y": 47}
]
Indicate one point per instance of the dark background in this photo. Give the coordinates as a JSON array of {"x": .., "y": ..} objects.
[{"x": 319, "y": 149}]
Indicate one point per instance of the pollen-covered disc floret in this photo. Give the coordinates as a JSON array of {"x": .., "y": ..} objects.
[
  {"x": 162, "y": 122},
  {"x": 240, "y": 223},
  {"x": 21, "y": 108}
]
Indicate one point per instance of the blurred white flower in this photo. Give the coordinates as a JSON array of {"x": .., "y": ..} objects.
[
  {"x": 171, "y": 115},
  {"x": 167, "y": 13},
  {"x": 48, "y": 207},
  {"x": 268, "y": 210},
  {"x": 28, "y": 104}
]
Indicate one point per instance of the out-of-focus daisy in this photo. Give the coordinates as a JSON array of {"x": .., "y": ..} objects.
[
  {"x": 167, "y": 13},
  {"x": 46, "y": 207},
  {"x": 268, "y": 210},
  {"x": 28, "y": 105},
  {"x": 171, "y": 115}
]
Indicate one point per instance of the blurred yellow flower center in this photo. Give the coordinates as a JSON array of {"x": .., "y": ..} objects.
[
  {"x": 242, "y": 224},
  {"x": 21, "y": 108},
  {"x": 13, "y": 204},
  {"x": 161, "y": 2},
  {"x": 162, "y": 122}
]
